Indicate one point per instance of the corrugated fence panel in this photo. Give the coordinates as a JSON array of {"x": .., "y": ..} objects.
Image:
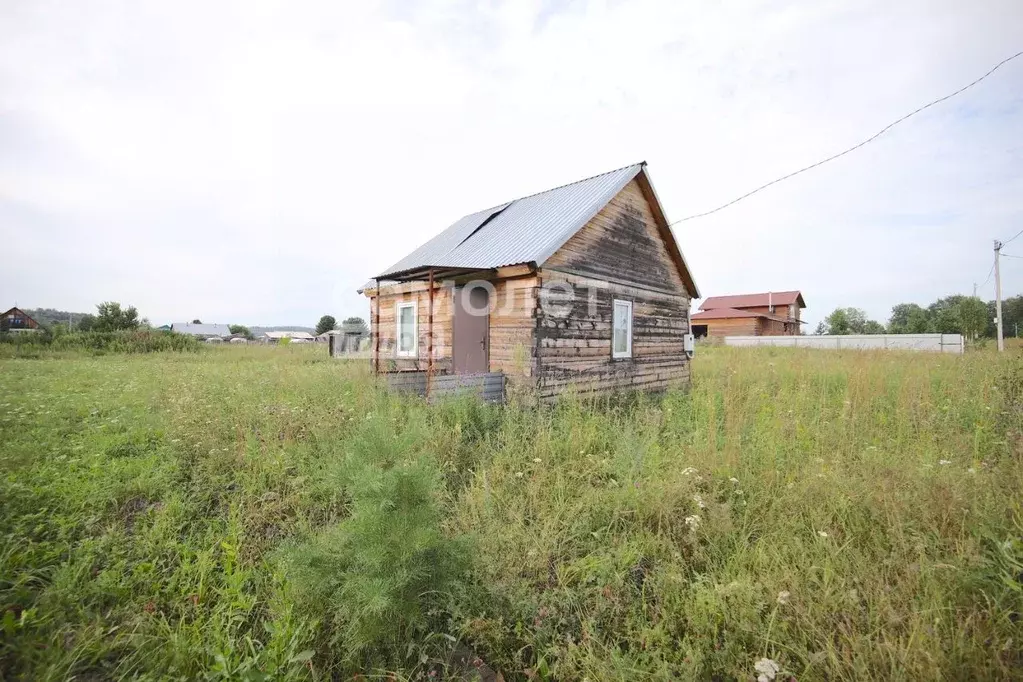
[
  {"x": 489, "y": 386},
  {"x": 937, "y": 343}
]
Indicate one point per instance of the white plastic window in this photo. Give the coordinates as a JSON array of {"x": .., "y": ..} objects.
[
  {"x": 407, "y": 331},
  {"x": 621, "y": 339}
]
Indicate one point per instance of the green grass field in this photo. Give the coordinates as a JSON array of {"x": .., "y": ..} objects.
[{"x": 267, "y": 513}]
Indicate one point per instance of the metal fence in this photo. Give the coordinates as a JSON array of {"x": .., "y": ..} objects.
[
  {"x": 938, "y": 343},
  {"x": 488, "y": 385}
]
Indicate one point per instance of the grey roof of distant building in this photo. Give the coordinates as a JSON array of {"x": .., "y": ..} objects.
[
  {"x": 201, "y": 329},
  {"x": 526, "y": 230},
  {"x": 288, "y": 335}
]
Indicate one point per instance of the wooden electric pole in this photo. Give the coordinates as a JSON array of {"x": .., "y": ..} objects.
[{"x": 998, "y": 295}]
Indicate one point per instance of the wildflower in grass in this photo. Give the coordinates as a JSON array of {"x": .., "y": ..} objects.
[
  {"x": 692, "y": 521},
  {"x": 783, "y": 597},
  {"x": 943, "y": 462},
  {"x": 518, "y": 474},
  {"x": 733, "y": 479},
  {"x": 688, "y": 471},
  {"x": 822, "y": 533},
  {"x": 766, "y": 669},
  {"x": 699, "y": 501},
  {"x": 537, "y": 460}
]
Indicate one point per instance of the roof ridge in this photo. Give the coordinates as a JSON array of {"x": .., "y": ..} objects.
[
  {"x": 759, "y": 293},
  {"x": 576, "y": 182},
  {"x": 507, "y": 204}
]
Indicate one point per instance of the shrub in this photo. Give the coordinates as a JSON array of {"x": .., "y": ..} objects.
[
  {"x": 384, "y": 573},
  {"x": 134, "y": 341}
]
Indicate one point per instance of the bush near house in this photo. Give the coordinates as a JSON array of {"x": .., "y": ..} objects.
[
  {"x": 253, "y": 514},
  {"x": 96, "y": 342}
]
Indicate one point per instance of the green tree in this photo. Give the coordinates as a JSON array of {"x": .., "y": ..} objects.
[
  {"x": 85, "y": 323},
  {"x": 355, "y": 324},
  {"x": 849, "y": 321},
  {"x": 111, "y": 317},
  {"x": 326, "y": 323},
  {"x": 908, "y": 318},
  {"x": 873, "y": 327},
  {"x": 944, "y": 315},
  {"x": 197, "y": 321},
  {"x": 241, "y": 329},
  {"x": 972, "y": 313}
]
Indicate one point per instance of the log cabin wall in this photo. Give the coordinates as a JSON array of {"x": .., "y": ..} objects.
[
  {"x": 512, "y": 323},
  {"x": 732, "y": 326},
  {"x": 619, "y": 254},
  {"x": 773, "y": 327},
  {"x": 418, "y": 292}
]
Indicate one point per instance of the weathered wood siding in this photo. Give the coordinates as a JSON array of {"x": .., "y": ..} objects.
[
  {"x": 574, "y": 350},
  {"x": 512, "y": 323},
  {"x": 621, "y": 244},
  {"x": 418, "y": 292},
  {"x": 619, "y": 254}
]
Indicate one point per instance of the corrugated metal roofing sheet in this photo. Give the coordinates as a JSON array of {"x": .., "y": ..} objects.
[{"x": 525, "y": 230}]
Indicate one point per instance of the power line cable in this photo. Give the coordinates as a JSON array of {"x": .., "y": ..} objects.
[
  {"x": 989, "y": 273},
  {"x": 857, "y": 146},
  {"x": 1014, "y": 236},
  {"x": 1009, "y": 255}
]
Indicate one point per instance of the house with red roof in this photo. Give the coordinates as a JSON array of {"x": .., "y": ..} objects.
[{"x": 774, "y": 313}]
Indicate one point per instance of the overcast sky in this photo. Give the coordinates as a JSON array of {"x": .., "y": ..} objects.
[{"x": 256, "y": 162}]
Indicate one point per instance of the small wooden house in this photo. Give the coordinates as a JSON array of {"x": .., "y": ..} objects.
[
  {"x": 774, "y": 313},
  {"x": 581, "y": 286},
  {"x": 15, "y": 320}
]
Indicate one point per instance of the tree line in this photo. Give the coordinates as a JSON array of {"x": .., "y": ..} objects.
[
  {"x": 351, "y": 324},
  {"x": 957, "y": 314}
]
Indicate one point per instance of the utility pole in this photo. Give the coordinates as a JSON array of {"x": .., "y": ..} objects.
[
  {"x": 975, "y": 290},
  {"x": 998, "y": 295}
]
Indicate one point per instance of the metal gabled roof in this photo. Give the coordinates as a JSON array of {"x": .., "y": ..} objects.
[
  {"x": 754, "y": 300},
  {"x": 526, "y": 230}
]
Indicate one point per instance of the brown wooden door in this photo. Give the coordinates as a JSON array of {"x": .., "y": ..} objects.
[{"x": 470, "y": 345}]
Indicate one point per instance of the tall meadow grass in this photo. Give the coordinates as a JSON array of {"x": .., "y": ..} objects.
[{"x": 268, "y": 513}]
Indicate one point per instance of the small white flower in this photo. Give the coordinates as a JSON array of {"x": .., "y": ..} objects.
[
  {"x": 692, "y": 521},
  {"x": 943, "y": 462},
  {"x": 518, "y": 474},
  {"x": 699, "y": 502},
  {"x": 822, "y": 534},
  {"x": 971, "y": 470},
  {"x": 767, "y": 668},
  {"x": 733, "y": 479},
  {"x": 688, "y": 471},
  {"x": 538, "y": 460},
  {"x": 783, "y": 597}
]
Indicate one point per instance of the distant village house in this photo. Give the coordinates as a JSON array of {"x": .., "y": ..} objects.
[
  {"x": 15, "y": 320},
  {"x": 293, "y": 337},
  {"x": 774, "y": 313}
]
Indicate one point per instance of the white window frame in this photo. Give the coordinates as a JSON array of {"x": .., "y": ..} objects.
[
  {"x": 414, "y": 351},
  {"x": 627, "y": 353}
]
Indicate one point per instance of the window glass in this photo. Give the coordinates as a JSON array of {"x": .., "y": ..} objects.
[
  {"x": 622, "y": 334},
  {"x": 406, "y": 328}
]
